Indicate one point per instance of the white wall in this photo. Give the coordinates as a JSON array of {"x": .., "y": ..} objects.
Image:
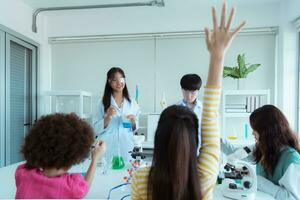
[
  {"x": 293, "y": 13},
  {"x": 155, "y": 65},
  {"x": 89, "y": 70},
  {"x": 45, "y": 70},
  {"x": 177, "y": 15},
  {"x": 86, "y": 64},
  {"x": 293, "y": 7},
  {"x": 17, "y": 16},
  {"x": 288, "y": 61}
]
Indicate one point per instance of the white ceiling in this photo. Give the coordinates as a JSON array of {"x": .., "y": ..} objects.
[{"x": 58, "y": 3}]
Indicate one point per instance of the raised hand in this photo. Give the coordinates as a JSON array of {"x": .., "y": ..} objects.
[
  {"x": 217, "y": 43},
  {"x": 220, "y": 38}
]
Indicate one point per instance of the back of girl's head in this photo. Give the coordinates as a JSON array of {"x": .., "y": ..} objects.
[
  {"x": 173, "y": 174},
  {"x": 191, "y": 82},
  {"x": 108, "y": 90},
  {"x": 274, "y": 133},
  {"x": 57, "y": 141}
]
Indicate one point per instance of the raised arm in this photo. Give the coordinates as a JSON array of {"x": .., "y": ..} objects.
[{"x": 217, "y": 43}]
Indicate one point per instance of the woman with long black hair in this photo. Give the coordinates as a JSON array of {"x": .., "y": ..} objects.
[{"x": 117, "y": 115}]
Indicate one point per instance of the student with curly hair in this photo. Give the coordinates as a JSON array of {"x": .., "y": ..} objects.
[{"x": 53, "y": 145}]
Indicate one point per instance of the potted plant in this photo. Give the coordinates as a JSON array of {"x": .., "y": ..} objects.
[{"x": 240, "y": 71}]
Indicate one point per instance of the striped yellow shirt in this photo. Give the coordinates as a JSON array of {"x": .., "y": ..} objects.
[{"x": 209, "y": 152}]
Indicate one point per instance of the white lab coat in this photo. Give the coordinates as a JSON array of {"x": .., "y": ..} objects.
[
  {"x": 115, "y": 126},
  {"x": 198, "y": 111},
  {"x": 289, "y": 184}
]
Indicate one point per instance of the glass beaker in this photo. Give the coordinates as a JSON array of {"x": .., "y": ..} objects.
[
  {"x": 117, "y": 159},
  {"x": 126, "y": 122},
  {"x": 118, "y": 162}
]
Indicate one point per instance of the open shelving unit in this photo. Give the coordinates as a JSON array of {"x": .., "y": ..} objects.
[
  {"x": 237, "y": 106},
  {"x": 78, "y": 102}
]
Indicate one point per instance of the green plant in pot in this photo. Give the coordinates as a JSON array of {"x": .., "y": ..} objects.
[{"x": 240, "y": 71}]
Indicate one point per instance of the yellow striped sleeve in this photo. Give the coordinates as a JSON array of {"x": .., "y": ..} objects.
[
  {"x": 210, "y": 144},
  {"x": 212, "y": 87},
  {"x": 139, "y": 184}
]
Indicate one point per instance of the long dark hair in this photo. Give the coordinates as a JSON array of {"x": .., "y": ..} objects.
[
  {"x": 108, "y": 90},
  {"x": 173, "y": 174},
  {"x": 274, "y": 133}
]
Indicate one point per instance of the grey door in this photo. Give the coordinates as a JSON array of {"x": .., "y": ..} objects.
[
  {"x": 20, "y": 95},
  {"x": 2, "y": 98}
]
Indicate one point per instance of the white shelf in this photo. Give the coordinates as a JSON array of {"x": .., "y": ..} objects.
[
  {"x": 237, "y": 123},
  {"x": 68, "y": 93},
  {"x": 246, "y": 92},
  {"x": 71, "y": 101}
]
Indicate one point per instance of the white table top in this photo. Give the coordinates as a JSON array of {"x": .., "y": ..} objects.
[{"x": 100, "y": 187}]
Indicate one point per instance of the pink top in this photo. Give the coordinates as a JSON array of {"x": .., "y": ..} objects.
[{"x": 32, "y": 183}]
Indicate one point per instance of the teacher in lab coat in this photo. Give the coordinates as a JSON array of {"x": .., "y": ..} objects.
[{"x": 117, "y": 117}]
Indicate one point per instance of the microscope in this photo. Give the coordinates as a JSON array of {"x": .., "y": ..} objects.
[
  {"x": 239, "y": 180},
  {"x": 137, "y": 152}
]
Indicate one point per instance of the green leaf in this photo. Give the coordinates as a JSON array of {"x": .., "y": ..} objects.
[
  {"x": 240, "y": 71},
  {"x": 230, "y": 72},
  {"x": 227, "y": 71},
  {"x": 252, "y": 68},
  {"x": 242, "y": 65}
]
